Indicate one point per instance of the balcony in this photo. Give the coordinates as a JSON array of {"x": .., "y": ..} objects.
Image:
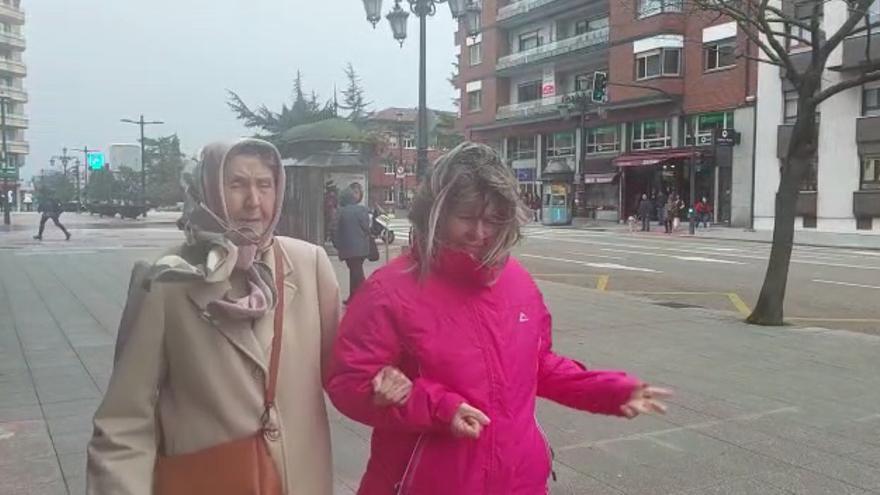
[
  {"x": 542, "y": 106},
  {"x": 18, "y": 147},
  {"x": 15, "y": 94},
  {"x": 526, "y": 11},
  {"x": 17, "y": 121},
  {"x": 12, "y": 67},
  {"x": 10, "y": 14},
  {"x": 592, "y": 40},
  {"x": 858, "y": 51},
  {"x": 12, "y": 40}
]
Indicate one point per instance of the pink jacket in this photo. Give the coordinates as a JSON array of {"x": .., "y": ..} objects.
[{"x": 459, "y": 340}]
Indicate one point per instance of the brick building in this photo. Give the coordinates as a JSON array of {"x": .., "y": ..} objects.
[
  {"x": 393, "y": 172},
  {"x": 675, "y": 80}
]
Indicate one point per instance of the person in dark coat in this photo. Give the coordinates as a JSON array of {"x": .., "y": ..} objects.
[
  {"x": 646, "y": 206},
  {"x": 50, "y": 208},
  {"x": 352, "y": 236}
]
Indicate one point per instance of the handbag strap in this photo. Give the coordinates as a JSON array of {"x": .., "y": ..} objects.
[{"x": 269, "y": 398}]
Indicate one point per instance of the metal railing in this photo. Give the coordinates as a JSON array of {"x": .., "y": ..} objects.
[
  {"x": 17, "y": 94},
  {"x": 14, "y": 40},
  {"x": 528, "y": 108},
  {"x": 10, "y": 12},
  {"x": 568, "y": 45},
  {"x": 523, "y": 6},
  {"x": 18, "y": 147},
  {"x": 13, "y": 67},
  {"x": 13, "y": 120}
]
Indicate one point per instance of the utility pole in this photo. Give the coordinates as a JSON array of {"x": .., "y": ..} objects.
[
  {"x": 7, "y": 214},
  {"x": 140, "y": 122},
  {"x": 85, "y": 150}
]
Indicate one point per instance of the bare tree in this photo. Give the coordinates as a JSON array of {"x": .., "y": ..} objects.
[{"x": 774, "y": 30}]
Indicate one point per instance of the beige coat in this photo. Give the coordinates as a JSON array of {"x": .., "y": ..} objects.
[{"x": 190, "y": 383}]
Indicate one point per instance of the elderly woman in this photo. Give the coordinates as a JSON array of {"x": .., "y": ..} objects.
[
  {"x": 445, "y": 350},
  {"x": 207, "y": 332}
]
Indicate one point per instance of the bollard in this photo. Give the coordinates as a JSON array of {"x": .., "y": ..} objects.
[{"x": 692, "y": 226}]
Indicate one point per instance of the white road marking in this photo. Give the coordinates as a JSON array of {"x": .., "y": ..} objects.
[
  {"x": 868, "y": 253},
  {"x": 592, "y": 255},
  {"x": 707, "y": 260},
  {"x": 6, "y": 434},
  {"x": 846, "y": 284},
  {"x": 608, "y": 266}
]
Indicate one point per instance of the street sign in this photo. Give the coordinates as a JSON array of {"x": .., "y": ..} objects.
[
  {"x": 726, "y": 137},
  {"x": 96, "y": 161},
  {"x": 9, "y": 174}
]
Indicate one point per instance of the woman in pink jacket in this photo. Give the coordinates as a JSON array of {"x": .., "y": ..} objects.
[{"x": 445, "y": 350}]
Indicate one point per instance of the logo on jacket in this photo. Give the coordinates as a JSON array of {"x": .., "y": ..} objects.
[{"x": 523, "y": 318}]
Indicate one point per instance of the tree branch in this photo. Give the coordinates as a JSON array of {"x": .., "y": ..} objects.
[
  {"x": 856, "y": 14},
  {"x": 869, "y": 74}
]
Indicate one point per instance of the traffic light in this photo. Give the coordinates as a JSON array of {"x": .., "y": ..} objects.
[{"x": 600, "y": 87}]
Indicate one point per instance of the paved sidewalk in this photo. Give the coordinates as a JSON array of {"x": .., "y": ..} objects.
[
  {"x": 866, "y": 240},
  {"x": 757, "y": 410}
]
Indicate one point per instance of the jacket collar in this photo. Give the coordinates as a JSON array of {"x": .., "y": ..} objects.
[{"x": 256, "y": 342}]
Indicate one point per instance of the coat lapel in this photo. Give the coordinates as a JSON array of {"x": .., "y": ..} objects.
[
  {"x": 265, "y": 326},
  {"x": 237, "y": 332}
]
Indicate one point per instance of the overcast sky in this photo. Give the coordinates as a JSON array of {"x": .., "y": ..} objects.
[{"x": 93, "y": 62}]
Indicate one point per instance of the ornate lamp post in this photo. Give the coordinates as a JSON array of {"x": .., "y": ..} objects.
[{"x": 466, "y": 11}]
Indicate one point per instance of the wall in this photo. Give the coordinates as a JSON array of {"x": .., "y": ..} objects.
[
  {"x": 766, "y": 163},
  {"x": 741, "y": 177}
]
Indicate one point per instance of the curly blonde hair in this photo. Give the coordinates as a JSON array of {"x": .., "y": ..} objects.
[{"x": 469, "y": 173}]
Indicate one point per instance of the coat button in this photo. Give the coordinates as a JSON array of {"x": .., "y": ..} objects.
[{"x": 257, "y": 372}]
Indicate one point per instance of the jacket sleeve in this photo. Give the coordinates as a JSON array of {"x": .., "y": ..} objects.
[
  {"x": 328, "y": 301},
  {"x": 571, "y": 384},
  {"x": 122, "y": 450},
  {"x": 367, "y": 342}
]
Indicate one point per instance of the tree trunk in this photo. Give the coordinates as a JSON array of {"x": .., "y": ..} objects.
[{"x": 769, "y": 310}]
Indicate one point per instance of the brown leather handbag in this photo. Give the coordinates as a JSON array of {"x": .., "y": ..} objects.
[{"x": 238, "y": 467}]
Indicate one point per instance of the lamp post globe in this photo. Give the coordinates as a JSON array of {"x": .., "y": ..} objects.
[
  {"x": 374, "y": 11},
  {"x": 397, "y": 18}
]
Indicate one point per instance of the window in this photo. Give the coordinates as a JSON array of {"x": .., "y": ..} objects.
[
  {"x": 583, "y": 82},
  {"x": 588, "y": 25},
  {"x": 523, "y": 148},
  {"x": 651, "y": 134},
  {"x": 560, "y": 144},
  {"x": 389, "y": 167},
  {"x": 871, "y": 173},
  {"x": 389, "y": 195},
  {"x": 705, "y": 126},
  {"x": 790, "y": 110},
  {"x": 720, "y": 54},
  {"x": 871, "y": 99},
  {"x": 531, "y": 40},
  {"x": 648, "y": 8},
  {"x": 475, "y": 100},
  {"x": 657, "y": 63},
  {"x": 475, "y": 54},
  {"x": 529, "y": 91},
  {"x": 409, "y": 142},
  {"x": 603, "y": 140},
  {"x": 803, "y": 12},
  {"x": 810, "y": 181}
]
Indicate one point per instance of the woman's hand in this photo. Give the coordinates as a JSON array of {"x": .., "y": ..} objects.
[
  {"x": 391, "y": 387},
  {"x": 645, "y": 400},
  {"x": 468, "y": 422}
]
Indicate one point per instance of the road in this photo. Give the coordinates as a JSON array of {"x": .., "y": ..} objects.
[{"x": 828, "y": 287}]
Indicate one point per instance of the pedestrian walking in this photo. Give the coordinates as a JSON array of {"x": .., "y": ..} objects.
[
  {"x": 645, "y": 207},
  {"x": 51, "y": 209},
  {"x": 446, "y": 349},
  {"x": 670, "y": 211},
  {"x": 352, "y": 238},
  {"x": 225, "y": 342}
]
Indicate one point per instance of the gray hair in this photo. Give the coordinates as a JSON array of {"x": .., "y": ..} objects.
[{"x": 469, "y": 172}]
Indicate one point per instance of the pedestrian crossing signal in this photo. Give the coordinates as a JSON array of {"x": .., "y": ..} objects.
[{"x": 600, "y": 87}]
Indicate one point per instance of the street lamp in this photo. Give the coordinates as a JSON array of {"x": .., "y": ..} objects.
[
  {"x": 466, "y": 11},
  {"x": 140, "y": 122}
]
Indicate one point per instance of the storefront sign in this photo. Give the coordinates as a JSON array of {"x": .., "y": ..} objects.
[
  {"x": 548, "y": 84},
  {"x": 726, "y": 137},
  {"x": 525, "y": 174}
]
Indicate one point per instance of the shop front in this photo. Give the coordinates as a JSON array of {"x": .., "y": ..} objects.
[{"x": 661, "y": 173}]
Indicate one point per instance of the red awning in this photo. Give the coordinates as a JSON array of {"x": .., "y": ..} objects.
[{"x": 648, "y": 158}]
